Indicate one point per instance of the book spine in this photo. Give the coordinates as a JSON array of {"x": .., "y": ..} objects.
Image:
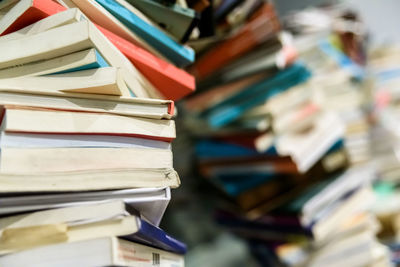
[{"x": 131, "y": 254}]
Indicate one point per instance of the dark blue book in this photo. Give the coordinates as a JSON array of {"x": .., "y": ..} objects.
[{"x": 153, "y": 236}]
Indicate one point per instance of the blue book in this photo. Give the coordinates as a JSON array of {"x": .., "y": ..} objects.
[
  {"x": 210, "y": 149},
  {"x": 234, "y": 185},
  {"x": 153, "y": 236},
  {"x": 175, "y": 52},
  {"x": 233, "y": 107},
  {"x": 99, "y": 62}
]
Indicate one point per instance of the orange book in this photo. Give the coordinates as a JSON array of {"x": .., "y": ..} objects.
[
  {"x": 260, "y": 28},
  {"x": 173, "y": 83}
]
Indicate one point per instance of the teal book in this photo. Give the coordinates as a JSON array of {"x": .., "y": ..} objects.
[
  {"x": 178, "y": 54},
  {"x": 233, "y": 107}
]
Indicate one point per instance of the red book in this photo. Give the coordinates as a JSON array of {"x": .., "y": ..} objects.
[
  {"x": 260, "y": 28},
  {"x": 173, "y": 83},
  {"x": 27, "y": 12}
]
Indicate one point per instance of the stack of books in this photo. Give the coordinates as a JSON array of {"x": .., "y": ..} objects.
[
  {"x": 86, "y": 108},
  {"x": 277, "y": 152}
]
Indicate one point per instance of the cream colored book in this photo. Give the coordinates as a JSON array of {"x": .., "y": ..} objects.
[
  {"x": 88, "y": 180},
  {"x": 66, "y": 40},
  {"x": 59, "y": 19},
  {"x": 58, "y": 160},
  {"x": 54, "y": 65},
  {"x": 139, "y": 107},
  {"x": 104, "y": 81},
  {"x": 107, "y": 251},
  {"x": 25, "y": 120},
  {"x": 70, "y": 215}
]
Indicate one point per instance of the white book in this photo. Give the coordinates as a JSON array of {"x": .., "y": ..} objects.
[
  {"x": 55, "y": 65},
  {"x": 307, "y": 147},
  {"x": 65, "y": 40},
  {"x": 138, "y": 107},
  {"x": 21, "y": 140},
  {"x": 108, "y": 251},
  {"x": 348, "y": 181},
  {"x": 59, "y": 160},
  {"x": 56, "y": 20},
  {"x": 27, "y": 120},
  {"x": 104, "y": 81},
  {"x": 88, "y": 180},
  {"x": 151, "y": 203}
]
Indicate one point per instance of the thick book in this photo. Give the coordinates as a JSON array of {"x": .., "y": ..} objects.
[
  {"x": 26, "y": 12},
  {"x": 151, "y": 203},
  {"x": 83, "y": 222},
  {"x": 173, "y": 18},
  {"x": 139, "y": 107},
  {"x": 88, "y": 180},
  {"x": 47, "y": 44},
  {"x": 177, "y": 53},
  {"x": 45, "y": 121},
  {"x": 255, "y": 32},
  {"x": 78, "y": 61},
  {"x": 102, "y": 81},
  {"x": 106, "y": 251}
]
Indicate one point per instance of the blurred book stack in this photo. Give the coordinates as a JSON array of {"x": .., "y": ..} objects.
[
  {"x": 86, "y": 97},
  {"x": 273, "y": 134},
  {"x": 384, "y": 69}
]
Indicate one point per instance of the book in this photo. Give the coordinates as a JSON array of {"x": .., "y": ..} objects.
[
  {"x": 139, "y": 107},
  {"x": 60, "y": 160},
  {"x": 42, "y": 121},
  {"x": 180, "y": 55},
  {"x": 82, "y": 223},
  {"x": 47, "y": 22},
  {"x": 88, "y": 180},
  {"x": 107, "y": 251},
  {"x": 82, "y": 60},
  {"x": 88, "y": 37},
  {"x": 151, "y": 203},
  {"x": 27, "y": 12},
  {"x": 180, "y": 22},
  {"x": 103, "y": 81},
  {"x": 171, "y": 82},
  {"x": 39, "y": 140}
]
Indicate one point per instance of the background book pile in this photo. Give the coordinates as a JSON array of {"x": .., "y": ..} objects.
[
  {"x": 86, "y": 164},
  {"x": 281, "y": 140}
]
